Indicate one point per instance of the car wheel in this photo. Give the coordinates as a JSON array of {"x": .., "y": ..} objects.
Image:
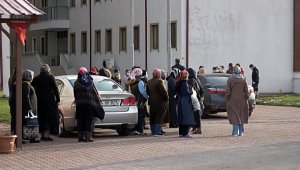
[
  {"x": 61, "y": 127},
  {"x": 124, "y": 130}
]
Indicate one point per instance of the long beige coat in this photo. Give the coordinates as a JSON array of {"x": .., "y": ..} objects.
[{"x": 237, "y": 100}]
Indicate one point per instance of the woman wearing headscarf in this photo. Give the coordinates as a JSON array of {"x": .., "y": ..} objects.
[
  {"x": 184, "y": 104},
  {"x": 172, "y": 100},
  {"x": 158, "y": 101},
  {"x": 196, "y": 85},
  {"x": 48, "y": 101},
  {"x": 88, "y": 105},
  {"x": 236, "y": 101},
  {"x": 29, "y": 99},
  {"x": 138, "y": 89}
]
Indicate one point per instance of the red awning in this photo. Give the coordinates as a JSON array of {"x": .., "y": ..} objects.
[{"x": 17, "y": 7}]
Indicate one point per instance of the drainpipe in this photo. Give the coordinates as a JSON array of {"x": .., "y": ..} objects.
[
  {"x": 146, "y": 37},
  {"x": 169, "y": 48},
  {"x": 1, "y": 64},
  {"x": 187, "y": 32},
  {"x": 132, "y": 31},
  {"x": 90, "y": 34}
]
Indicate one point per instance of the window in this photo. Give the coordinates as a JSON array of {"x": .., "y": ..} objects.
[
  {"x": 43, "y": 45},
  {"x": 136, "y": 38},
  {"x": 72, "y": 43},
  {"x": 97, "y": 1},
  {"x": 34, "y": 45},
  {"x": 98, "y": 41},
  {"x": 44, "y": 3},
  {"x": 174, "y": 35},
  {"x": 108, "y": 40},
  {"x": 154, "y": 37},
  {"x": 72, "y": 3},
  {"x": 83, "y": 2},
  {"x": 83, "y": 42},
  {"x": 123, "y": 39}
]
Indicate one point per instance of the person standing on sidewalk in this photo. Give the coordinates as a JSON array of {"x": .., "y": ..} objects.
[
  {"x": 236, "y": 101},
  {"x": 88, "y": 105},
  {"x": 255, "y": 78},
  {"x": 184, "y": 104},
  {"x": 172, "y": 99},
  {"x": 158, "y": 101},
  {"x": 196, "y": 85},
  {"x": 178, "y": 65},
  {"x": 48, "y": 101}
]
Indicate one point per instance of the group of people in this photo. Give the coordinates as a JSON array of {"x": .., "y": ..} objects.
[
  {"x": 176, "y": 98},
  {"x": 40, "y": 96}
]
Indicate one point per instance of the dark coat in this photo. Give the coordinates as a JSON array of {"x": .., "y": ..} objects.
[
  {"x": 237, "y": 100},
  {"x": 172, "y": 100},
  {"x": 48, "y": 99},
  {"x": 178, "y": 66},
  {"x": 184, "y": 103},
  {"x": 158, "y": 100}
]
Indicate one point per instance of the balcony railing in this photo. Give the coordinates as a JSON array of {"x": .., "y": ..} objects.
[{"x": 55, "y": 13}]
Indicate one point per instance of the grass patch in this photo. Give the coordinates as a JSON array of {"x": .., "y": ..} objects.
[
  {"x": 4, "y": 110},
  {"x": 280, "y": 100}
]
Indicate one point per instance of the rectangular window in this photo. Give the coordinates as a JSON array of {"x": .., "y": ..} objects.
[
  {"x": 174, "y": 35},
  {"x": 123, "y": 39},
  {"x": 34, "y": 45},
  {"x": 83, "y": 2},
  {"x": 98, "y": 41},
  {"x": 72, "y": 3},
  {"x": 42, "y": 45},
  {"x": 108, "y": 40},
  {"x": 154, "y": 37},
  {"x": 72, "y": 43},
  {"x": 83, "y": 42},
  {"x": 136, "y": 38}
]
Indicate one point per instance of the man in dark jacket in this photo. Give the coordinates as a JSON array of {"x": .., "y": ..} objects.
[
  {"x": 178, "y": 65},
  {"x": 255, "y": 77}
]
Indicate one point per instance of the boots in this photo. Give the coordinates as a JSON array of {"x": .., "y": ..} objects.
[
  {"x": 81, "y": 137},
  {"x": 197, "y": 131},
  {"x": 88, "y": 137}
]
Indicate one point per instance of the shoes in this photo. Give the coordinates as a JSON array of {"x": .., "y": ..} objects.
[
  {"x": 241, "y": 134},
  {"x": 163, "y": 132},
  {"x": 34, "y": 141},
  {"x": 81, "y": 140},
  {"x": 90, "y": 140},
  {"x": 197, "y": 131},
  {"x": 173, "y": 125},
  {"x": 138, "y": 133},
  {"x": 235, "y": 135},
  {"x": 46, "y": 139},
  {"x": 186, "y": 136}
]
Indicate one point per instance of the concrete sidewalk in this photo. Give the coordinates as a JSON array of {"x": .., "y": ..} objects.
[{"x": 268, "y": 126}]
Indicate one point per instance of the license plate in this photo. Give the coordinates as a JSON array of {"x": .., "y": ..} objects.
[{"x": 111, "y": 102}]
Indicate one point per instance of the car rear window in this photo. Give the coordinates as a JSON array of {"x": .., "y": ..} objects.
[
  {"x": 103, "y": 85},
  {"x": 217, "y": 81}
]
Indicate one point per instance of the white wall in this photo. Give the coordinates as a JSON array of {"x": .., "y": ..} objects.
[
  {"x": 5, "y": 60},
  {"x": 243, "y": 31},
  {"x": 115, "y": 14}
]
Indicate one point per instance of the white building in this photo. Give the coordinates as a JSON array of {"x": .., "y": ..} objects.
[{"x": 257, "y": 32}]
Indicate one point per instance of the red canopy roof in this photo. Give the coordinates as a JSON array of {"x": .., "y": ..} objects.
[{"x": 18, "y": 7}]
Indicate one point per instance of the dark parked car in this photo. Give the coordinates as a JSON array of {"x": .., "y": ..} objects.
[{"x": 214, "y": 87}]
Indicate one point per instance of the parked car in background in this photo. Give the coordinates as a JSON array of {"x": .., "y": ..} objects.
[
  {"x": 119, "y": 105},
  {"x": 214, "y": 87}
]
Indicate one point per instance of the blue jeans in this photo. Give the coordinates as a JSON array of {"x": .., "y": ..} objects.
[
  {"x": 140, "y": 124},
  {"x": 237, "y": 129},
  {"x": 155, "y": 129}
]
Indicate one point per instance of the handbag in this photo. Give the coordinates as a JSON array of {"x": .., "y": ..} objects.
[
  {"x": 195, "y": 101},
  {"x": 31, "y": 128}
]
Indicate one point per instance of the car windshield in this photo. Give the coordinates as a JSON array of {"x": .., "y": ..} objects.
[
  {"x": 217, "y": 81},
  {"x": 103, "y": 85}
]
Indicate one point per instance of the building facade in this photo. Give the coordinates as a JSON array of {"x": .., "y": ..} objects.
[{"x": 219, "y": 32}]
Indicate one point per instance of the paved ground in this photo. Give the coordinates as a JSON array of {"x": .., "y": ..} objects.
[{"x": 271, "y": 141}]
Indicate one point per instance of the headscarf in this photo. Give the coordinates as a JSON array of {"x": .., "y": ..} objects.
[
  {"x": 45, "y": 68},
  {"x": 184, "y": 75},
  {"x": 136, "y": 72},
  {"x": 27, "y": 75},
  {"x": 163, "y": 74},
  {"x": 237, "y": 72},
  {"x": 192, "y": 73},
  {"x": 156, "y": 73},
  {"x": 84, "y": 77}
]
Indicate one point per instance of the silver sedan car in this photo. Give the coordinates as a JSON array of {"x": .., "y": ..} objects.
[{"x": 119, "y": 105}]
